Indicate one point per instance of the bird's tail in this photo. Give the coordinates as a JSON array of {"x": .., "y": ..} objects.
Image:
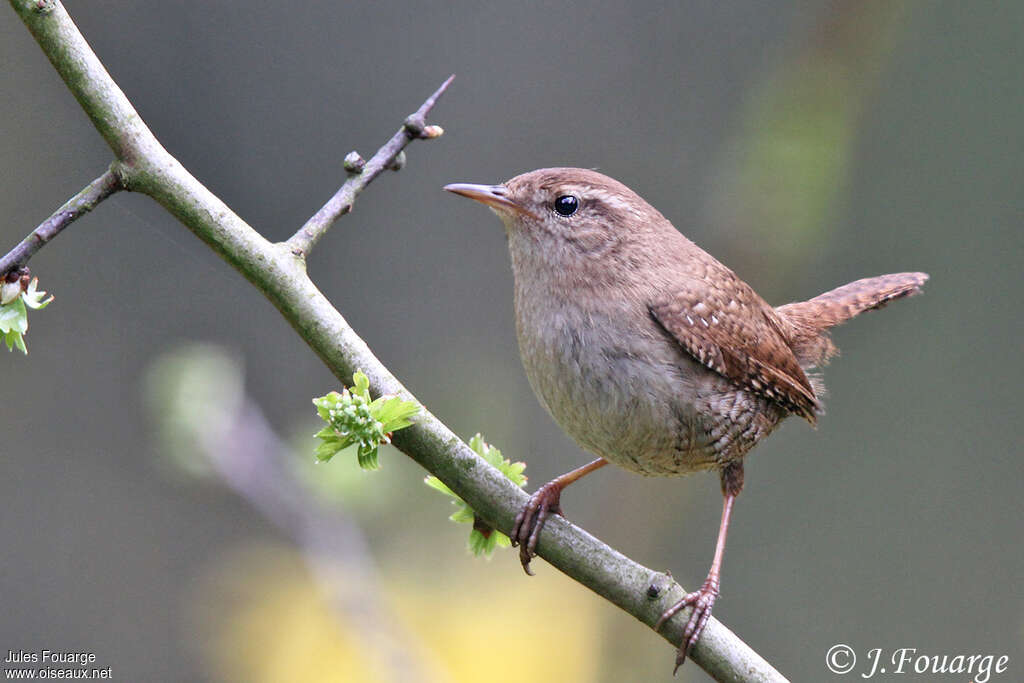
[{"x": 809, "y": 321}]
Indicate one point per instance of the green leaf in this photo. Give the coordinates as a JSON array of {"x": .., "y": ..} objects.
[
  {"x": 463, "y": 515},
  {"x": 361, "y": 384},
  {"x": 435, "y": 483},
  {"x": 512, "y": 470},
  {"x": 481, "y": 543},
  {"x": 10, "y": 316},
  {"x": 327, "y": 434},
  {"x": 393, "y": 412},
  {"x": 325, "y": 403},
  {"x": 10, "y": 338},
  {"x": 482, "y": 539},
  {"x": 14, "y": 323},
  {"x": 326, "y": 451},
  {"x": 368, "y": 458}
]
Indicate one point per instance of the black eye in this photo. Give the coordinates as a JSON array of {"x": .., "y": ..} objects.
[{"x": 566, "y": 205}]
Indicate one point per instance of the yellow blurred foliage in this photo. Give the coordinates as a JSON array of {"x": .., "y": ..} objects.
[{"x": 261, "y": 616}]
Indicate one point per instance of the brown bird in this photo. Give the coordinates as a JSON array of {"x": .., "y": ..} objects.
[{"x": 649, "y": 352}]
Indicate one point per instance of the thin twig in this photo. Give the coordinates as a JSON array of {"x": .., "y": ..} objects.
[
  {"x": 147, "y": 167},
  {"x": 361, "y": 175},
  {"x": 76, "y": 207}
]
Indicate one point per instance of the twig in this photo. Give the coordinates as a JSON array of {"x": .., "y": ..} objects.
[
  {"x": 362, "y": 173},
  {"x": 146, "y": 167},
  {"x": 76, "y": 207}
]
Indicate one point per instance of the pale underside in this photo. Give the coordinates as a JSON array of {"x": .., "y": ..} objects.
[{"x": 651, "y": 408}]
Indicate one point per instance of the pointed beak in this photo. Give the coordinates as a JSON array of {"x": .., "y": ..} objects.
[{"x": 494, "y": 196}]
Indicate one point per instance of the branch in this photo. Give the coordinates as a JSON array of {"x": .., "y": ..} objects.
[
  {"x": 76, "y": 207},
  {"x": 362, "y": 173},
  {"x": 145, "y": 166}
]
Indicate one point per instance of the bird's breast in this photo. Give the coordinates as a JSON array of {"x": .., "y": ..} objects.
[{"x": 613, "y": 382}]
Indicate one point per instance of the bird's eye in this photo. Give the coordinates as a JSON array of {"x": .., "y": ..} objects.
[{"x": 566, "y": 205}]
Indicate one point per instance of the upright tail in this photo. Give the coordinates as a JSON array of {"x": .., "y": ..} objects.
[{"x": 809, "y": 321}]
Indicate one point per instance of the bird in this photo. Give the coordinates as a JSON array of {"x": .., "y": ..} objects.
[{"x": 649, "y": 352}]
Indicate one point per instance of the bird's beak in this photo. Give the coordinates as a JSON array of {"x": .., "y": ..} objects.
[{"x": 494, "y": 196}]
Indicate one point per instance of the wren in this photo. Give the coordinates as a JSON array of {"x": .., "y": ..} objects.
[{"x": 650, "y": 353}]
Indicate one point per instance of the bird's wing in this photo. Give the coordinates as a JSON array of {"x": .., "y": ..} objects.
[{"x": 723, "y": 323}]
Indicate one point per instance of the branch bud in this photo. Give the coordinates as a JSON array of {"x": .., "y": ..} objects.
[
  {"x": 414, "y": 125},
  {"x": 431, "y": 132},
  {"x": 9, "y": 291},
  {"x": 354, "y": 163},
  {"x": 399, "y": 163}
]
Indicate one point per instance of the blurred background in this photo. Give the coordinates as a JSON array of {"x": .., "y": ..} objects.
[{"x": 805, "y": 144}]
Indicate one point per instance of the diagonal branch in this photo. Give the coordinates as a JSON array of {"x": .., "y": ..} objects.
[
  {"x": 145, "y": 166},
  {"x": 76, "y": 207},
  {"x": 363, "y": 173}
]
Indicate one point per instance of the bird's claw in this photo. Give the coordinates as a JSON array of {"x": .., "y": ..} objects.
[
  {"x": 531, "y": 519},
  {"x": 702, "y": 601}
]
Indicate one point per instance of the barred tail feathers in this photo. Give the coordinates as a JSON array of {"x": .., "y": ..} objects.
[{"x": 809, "y": 321}]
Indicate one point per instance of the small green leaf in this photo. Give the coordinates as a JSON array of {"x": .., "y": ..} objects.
[
  {"x": 327, "y": 450},
  {"x": 512, "y": 470},
  {"x": 324, "y": 403},
  {"x": 482, "y": 538},
  {"x": 483, "y": 541},
  {"x": 12, "y": 316},
  {"x": 362, "y": 384},
  {"x": 393, "y": 412},
  {"x": 368, "y": 458},
  {"x": 463, "y": 515},
  {"x": 480, "y": 544},
  {"x": 14, "y": 338},
  {"x": 435, "y": 483},
  {"x": 327, "y": 434}
]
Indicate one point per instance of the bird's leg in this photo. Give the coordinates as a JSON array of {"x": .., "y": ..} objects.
[
  {"x": 704, "y": 599},
  {"x": 545, "y": 500}
]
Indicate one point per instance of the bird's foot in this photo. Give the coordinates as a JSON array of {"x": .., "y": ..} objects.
[
  {"x": 701, "y": 601},
  {"x": 531, "y": 519}
]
